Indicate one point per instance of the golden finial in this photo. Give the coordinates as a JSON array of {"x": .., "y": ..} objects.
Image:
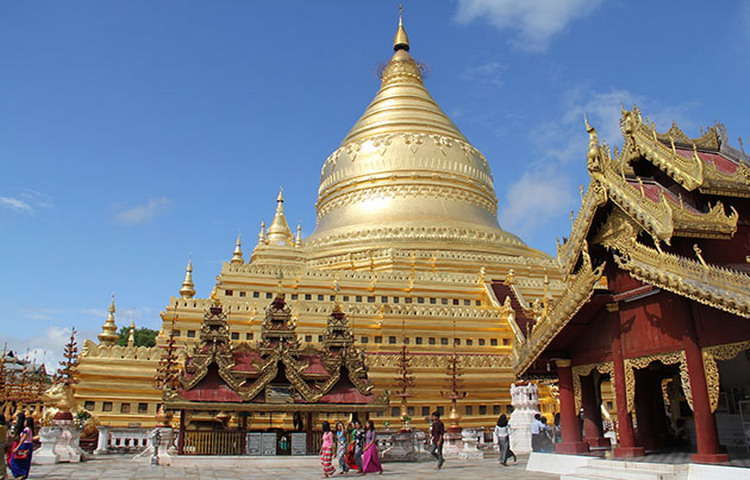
[
  {"x": 131, "y": 335},
  {"x": 262, "y": 233},
  {"x": 699, "y": 254},
  {"x": 188, "y": 288},
  {"x": 237, "y": 255},
  {"x": 401, "y": 39},
  {"x": 298, "y": 237},
  {"x": 279, "y": 232},
  {"x": 109, "y": 329},
  {"x": 214, "y": 296}
]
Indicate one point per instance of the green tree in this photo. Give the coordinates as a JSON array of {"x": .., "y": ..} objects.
[{"x": 144, "y": 337}]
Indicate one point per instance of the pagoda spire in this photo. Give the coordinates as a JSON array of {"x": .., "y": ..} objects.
[
  {"x": 109, "y": 329},
  {"x": 262, "y": 240},
  {"x": 279, "y": 232},
  {"x": 401, "y": 39},
  {"x": 188, "y": 288},
  {"x": 237, "y": 256},
  {"x": 131, "y": 334}
]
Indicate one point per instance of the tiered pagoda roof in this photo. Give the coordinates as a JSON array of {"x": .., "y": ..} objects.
[
  {"x": 671, "y": 211},
  {"x": 276, "y": 373}
]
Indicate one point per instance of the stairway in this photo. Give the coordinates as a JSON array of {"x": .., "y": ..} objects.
[{"x": 597, "y": 469}]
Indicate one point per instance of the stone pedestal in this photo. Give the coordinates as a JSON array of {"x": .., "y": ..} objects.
[
  {"x": 67, "y": 447},
  {"x": 402, "y": 448},
  {"x": 166, "y": 449},
  {"x": 525, "y": 402},
  {"x": 45, "y": 455},
  {"x": 452, "y": 443},
  {"x": 470, "y": 450},
  {"x": 103, "y": 441}
]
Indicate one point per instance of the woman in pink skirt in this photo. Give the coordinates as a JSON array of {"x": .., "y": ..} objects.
[
  {"x": 326, "y": 451},
  {"x": 370, "y": 454}
]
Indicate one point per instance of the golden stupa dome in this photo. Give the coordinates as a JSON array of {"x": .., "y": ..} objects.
[{"x": 406, "y": 177}]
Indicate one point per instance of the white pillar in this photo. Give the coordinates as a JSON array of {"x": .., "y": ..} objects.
[
  {"x": 46, "y": 454},
  {"x": 103, "y": 441},
  {"x": 525, "y": 401}
]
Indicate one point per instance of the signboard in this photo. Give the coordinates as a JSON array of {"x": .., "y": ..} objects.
[
  {"x": 268, "y": 443},
  {"x": 252, "y": 442},
  {"x": 278, "y": 394},
  {"x": 299, "y": 443}
]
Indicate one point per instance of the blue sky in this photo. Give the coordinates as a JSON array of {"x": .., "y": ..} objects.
[{"x": 134, "y": 134}]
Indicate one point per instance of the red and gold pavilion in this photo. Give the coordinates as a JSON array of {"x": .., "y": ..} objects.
[
  {"x": 657, "y": 299},
  {"x": 223, "y": 383}
]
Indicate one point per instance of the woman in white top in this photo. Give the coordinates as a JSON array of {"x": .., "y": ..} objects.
[{"x": 502, "y": 439}]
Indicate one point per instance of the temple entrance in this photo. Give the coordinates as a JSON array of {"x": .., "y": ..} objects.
[
  {"x": 733, "y": 403},
  {"x": 663, "y": 419}
]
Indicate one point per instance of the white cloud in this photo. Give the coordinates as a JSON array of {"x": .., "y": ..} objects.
[
  {"x": 534, "y": 21},
  {"x": 143, "y": 213},
  {"x": 539, "y": 196},
  {"x": 47, "y": 347},
  {"x": 16, "y": 204},
  {"x": 489, "y": 73}
]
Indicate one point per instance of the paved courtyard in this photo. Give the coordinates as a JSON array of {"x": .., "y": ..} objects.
[{"x": 278, "y": 468}]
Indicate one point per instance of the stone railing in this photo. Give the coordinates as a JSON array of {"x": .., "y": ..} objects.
[{"x": 122, "y": 440}]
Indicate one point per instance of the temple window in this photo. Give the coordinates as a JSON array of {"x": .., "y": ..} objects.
[
  {"x": 443, "y": 341},
  {"x": 433, "y": 300},
  {"x": 610, "y": 405},
  {"x": 191, "y": 334},
  {"x": 256, "y": 294},
  {"x": 455, "y": 301},
  {"x": 391, "y": 340},
  {"x": 89, "y": 405},
  {"x": 482, "y": 409},
  {"x": 444, "y": 301},
  {"x": 506, "y": 341},
  {"x": 408, "y": 300},
  {"x": 481, "y": 341},
  {"x": 395, "y": 411},
  {"x": 320, "y": 338},
  {"x": 320, "y": 298},
  {"x": 418, "y": 341},
  {"x": 242, "y": 294},
  {"x": 346, "y": 298},
  {"x": 420, "y": 299},
  {"x": 406, "y": 340},
  {"x": 378, "y": 339},
  {"x": 467, "y": 302},
  {"x": 228, "y": 293},
  {"x": 358, "y": 298},
  {"x": 425, "y": 411},
  {"x": 410, "y": 411},
  {"x": 431, "y": 340},
  {"x": 379, "y": 413},
  {"x": 370, "y": 299},
  {"x": 469, "y": 410},
  {"x": 308, "y": 338},
  {"x": 235, "y": 335},
  {"x": 308, "y": 296},
  {"x": 143, "y": 408},
  {"x": 295, "y": 296},
  {"x": 269, "y": 295},
  {"x": 496, "y": 409},
  {"x": 248, "y": 336},
  {"x": 124, "y": 408},
  {"x": 469, "y": 341},
  {"x": 456, "y": 341},
  {"x": 176, "y": 333},
  {"x": 107, "y": 407},
  {"x": 395, "y": 300},
  {"x": 509, "y": 409},
  {"x": 332, "y": 298},
  {"x": 364, "y": 339},
  {"x": 493, "y": 342},
  {"x": 384, "y": 299},
  {"x": 478, "y": 303},
  {"x": 441, "y": 411}
]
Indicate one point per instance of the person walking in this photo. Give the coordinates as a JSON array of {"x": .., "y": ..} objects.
[
  {"x": 326, "y": 451},
  {"x": 20, "y": 458},
  {"x": 437, "y": 432},
  {"x": 358, "y": 435},
  {"x": 536, "y": 433},
  {"x": 502, "y": 439},
  {"x": 370, "y": 454},
  {"x": 341, "y": 443}
]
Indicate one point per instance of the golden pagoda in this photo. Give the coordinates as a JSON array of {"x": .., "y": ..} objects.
[{"x": 407, "y": 242}]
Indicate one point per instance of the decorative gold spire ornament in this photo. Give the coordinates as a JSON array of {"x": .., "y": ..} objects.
[
  {"x": 237, "y": 255},
  {"x": 109, "y": 329},
  {"x": 187, "y": 290},
  {"x": 131, "y": 334},
  {"x": 279, "y": 232},
  {"x": 401, "y": 39},
  {"x": 262, "y": 240}
]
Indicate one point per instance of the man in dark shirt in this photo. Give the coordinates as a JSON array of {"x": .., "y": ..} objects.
[{"x": 437, "y": 432}]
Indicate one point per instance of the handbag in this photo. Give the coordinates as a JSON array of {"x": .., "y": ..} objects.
[{"x": 21, "y": 454}]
